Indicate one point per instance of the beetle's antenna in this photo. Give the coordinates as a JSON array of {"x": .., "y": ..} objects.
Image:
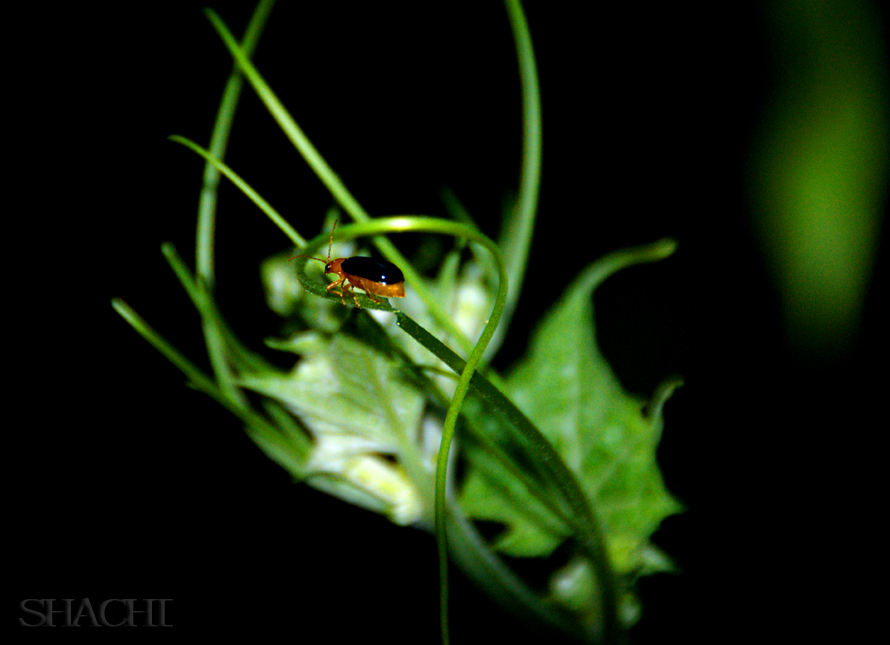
[
  {"x": 330, "y": 244},
  {"x": 294, "y": 257}
]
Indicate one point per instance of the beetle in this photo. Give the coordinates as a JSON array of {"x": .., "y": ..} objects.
[{"x": 374, "y": 277}]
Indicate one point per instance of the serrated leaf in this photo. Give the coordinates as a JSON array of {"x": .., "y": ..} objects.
[{"x": 568, "y": 390}]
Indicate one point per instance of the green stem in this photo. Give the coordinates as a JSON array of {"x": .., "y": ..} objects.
[
  {"x": 218, "y": 142},
  {"x": 522, "y": 222},
  {"x": 240, "y": 357},
  {"x": 331, "y": 181},
  {"x": 204, "y": 239},
  {"x": 245, "y": 188}
]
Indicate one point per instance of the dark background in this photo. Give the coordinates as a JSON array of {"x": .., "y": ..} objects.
[{"x": 126, "y": 484}]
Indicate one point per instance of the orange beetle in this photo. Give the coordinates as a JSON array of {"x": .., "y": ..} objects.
[{"x": 371, "y": 276}]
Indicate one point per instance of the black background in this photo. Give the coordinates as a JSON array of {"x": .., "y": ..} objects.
[{"x": 126, "y": 484}]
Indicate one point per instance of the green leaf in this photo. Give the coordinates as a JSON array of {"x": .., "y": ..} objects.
[
  {"x": 606, "y": 436},
  {"x": 364, "y": 412}
]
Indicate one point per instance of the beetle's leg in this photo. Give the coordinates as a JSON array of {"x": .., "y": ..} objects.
[
  {"x": 361, "y": 285},
  {"x": 334, "y": 284},
  {"x": 347, "y": 288},
  {"x": 337, "y": 283},
  {"x": 350, "y": 287}
]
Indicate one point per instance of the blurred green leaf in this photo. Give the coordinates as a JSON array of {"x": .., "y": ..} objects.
[{"x": 820, "y": 164}]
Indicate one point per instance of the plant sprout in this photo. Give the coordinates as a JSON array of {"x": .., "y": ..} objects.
[{"x": 554, "y": 451}]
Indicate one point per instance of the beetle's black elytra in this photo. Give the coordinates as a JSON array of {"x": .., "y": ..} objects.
[{"x": 379, "y": 271}]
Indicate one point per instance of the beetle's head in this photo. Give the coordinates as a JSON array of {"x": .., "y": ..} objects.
[{"x": 334, "y": 266}]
